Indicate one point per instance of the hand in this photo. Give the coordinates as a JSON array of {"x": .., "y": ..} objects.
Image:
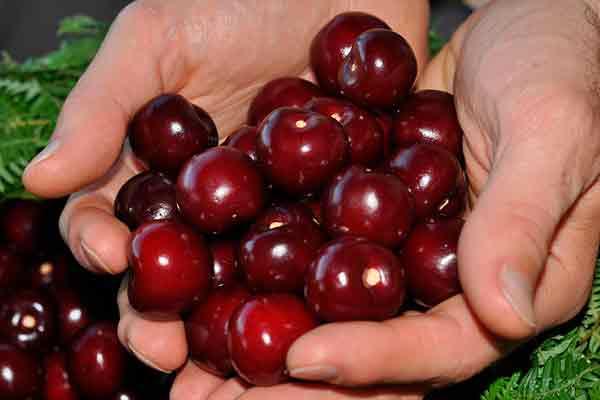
[{"x": 216, "y": 53}]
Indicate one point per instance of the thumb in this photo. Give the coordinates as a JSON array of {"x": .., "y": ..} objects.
[
  {"x": 505, "y": 242},
  {"x": 91, "y": 128}
]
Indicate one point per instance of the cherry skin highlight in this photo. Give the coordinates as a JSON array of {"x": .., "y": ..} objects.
[
  {"x": 333, "y": 43},
  {"x": 369, "y": 204},
  {"x": 261, "y": 332},
  {"x": 20, "y": 377},
  {"x": 429, "y": 256},
  {"x": 380, "y": 70},
  {"x": 57, "y": 384},
  {"x": 226, "y": 269},
  {"x": 170, "y": 269},
  {"x": 281, "y": 92},
  {"x": 50, "y": 273},
  {"x": 72, "y": 315},
  {"x": 244, "y": 139},
  {"x": 300, "y": 151},
  {"x": 282, "y": 214},
  {"x": 219, "y": 189}
]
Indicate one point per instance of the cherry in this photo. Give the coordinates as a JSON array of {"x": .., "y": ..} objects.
[
  {"x": 299, "y": 150},
  {"x": 433, "y": 176},
  {"x": 97, "y": 361},
  {"x": 261, "y": 332},
  {"x": 370, "y": 204},
  {"x": 219, "y": 189},
  {"x": 170, "y": 268},
  {"x": 124, "y": 395},
  {"x": 315, "y": 207},
  {"x": 57, "y": 384},
  {"x": 386, "y": 123},
  {"x": 148, "y": 196},
  {"x": 380, "y": 70},
  {"x": 281, "y": 92},
  {"x": 27, "y": 320},
  {"x": 20, "y": 374},
  {"x": 282, "y": 214},
  {"x": 428, "y": 116},
  {"x": 244, "y": 139},
  {"x": 226, "y": 269},
  {"x": 72, "y": 315},
  {"x": 51, "y": 272},
  {"x": 276, "y": 260},
  {"x": 354, "y": 279},
  {"x": 364, "y": 133},
  {"x": 334, "y": 42},
  {"x": 168, "y": 130},
  {"x": 429, "y": 256},
  {"x": 11, "y": 266},
  {"x": 207, "y": 329},
  {"x": 22, "y": 224}
]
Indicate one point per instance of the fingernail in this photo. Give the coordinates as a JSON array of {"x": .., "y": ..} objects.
[
  {"x": 94, "y": 259},
  {"x": 50, "y": 149},
  {"x": 325, "y": 373},
  {"x": 145, "y": 360},
  {"x": 518, "y": 291}
]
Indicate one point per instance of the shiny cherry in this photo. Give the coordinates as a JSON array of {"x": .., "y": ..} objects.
[
  {"x": 261, "y": 332},
  {"x": 244, "y": 139},
  {"x": 364, "y": 133},
  {"x": 299, "y": 150},
  {"x": 97, "y": 361},
  {"x": 282, "y": 214},
  {"x": 148, "y": 196},
  {"x": 429, "y": 256},
  {"x": 281, "y": 92},
  {"x": 276, "y": 260},
  {"x": 19, "y": 373},
  {"x": 428, "y": 116},
  {"x": 57, "y": 383},
  {"x": 51, "y": 272},
  {"x": 219, "y": 189},
  {"x": 370, "y": 204},
  {"x": 380, "y": 70},
  {"x": 354, "y": 279},
  {"x": 168, "y": 130},
  {"x": 171, "y": 268},
  {"x": 22, "y": 224},
  {"x": 334, "y": 42},
  {"x": 11, "y": 267},
  {"x": 27, "y": 320},
  {"x": 72, "y": 315},
  {"x": 207, "y": 329},
  {"x": 226, "y": 269},
  {"x": 124, "y": 395},
  {"x": 433, "y": 176}
]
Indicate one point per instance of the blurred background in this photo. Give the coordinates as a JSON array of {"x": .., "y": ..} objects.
[{"x": 28, "y": 27}]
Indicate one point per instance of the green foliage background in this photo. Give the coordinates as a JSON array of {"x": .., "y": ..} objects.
[{"x": 565, "y": 365}]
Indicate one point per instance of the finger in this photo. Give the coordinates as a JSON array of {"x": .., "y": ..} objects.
[
  {"x": 91, "y": 127},
  {"x": 231, "y": 389},
  {"x": 445, "y": 345},
  {"x": 192, "y": 383},
  {"x": 159, "y": 344}
]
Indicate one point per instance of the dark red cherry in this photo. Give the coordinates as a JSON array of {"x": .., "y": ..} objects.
[
  {"x": 171, "y": 268},
  {"x": 386, "y": 123},
  {"x": 315, "y": 206},
  {"x": 19, "y": 373},
  {"x": 11, "y": 267},
  {"x": 364, "y": 133},
  {"x": 97, "y": 361},
  {"x": 244, "y": 139},
  {"x": 207, "y": 329},
  {"x": 260, "y": 334},
  {"x": 354, "y": 279},
  {"x": 27, "y": 320},
  {"x": 281, "y": 92},
  {"x": 282, "y": 214},
  {"x": 429, "y": 256},
  {"x": 57, "y": 383},
  {"x": 72, "y": 315},
  {"x": 124, "y": 395},
  {"x": 370, "y": 204},
  {"x": 428, "y": 116},
  {"x": 299, "y": 150},
  {"x": 219, "y": 189},
  {"x": 51, "y": 272},
  {"x": 380, "y": 70},
  {"x": 22, "y": 224},
  {"x": 168, "y": 130},
  {"x": 276, "y": 260},
  {"x": 226, "y": 269},
  {"x": 334, "y": 42},
  {"x": 149, "y": 196},
  {"x": 433, "y": 176}
]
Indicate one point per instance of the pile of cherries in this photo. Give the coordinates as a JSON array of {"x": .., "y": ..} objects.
[
  {"x": 58, "y": 323},
  {"x": 332, "y": 204}
]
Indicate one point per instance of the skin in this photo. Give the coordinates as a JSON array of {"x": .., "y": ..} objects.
[{"x": 523, "y": 76}]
